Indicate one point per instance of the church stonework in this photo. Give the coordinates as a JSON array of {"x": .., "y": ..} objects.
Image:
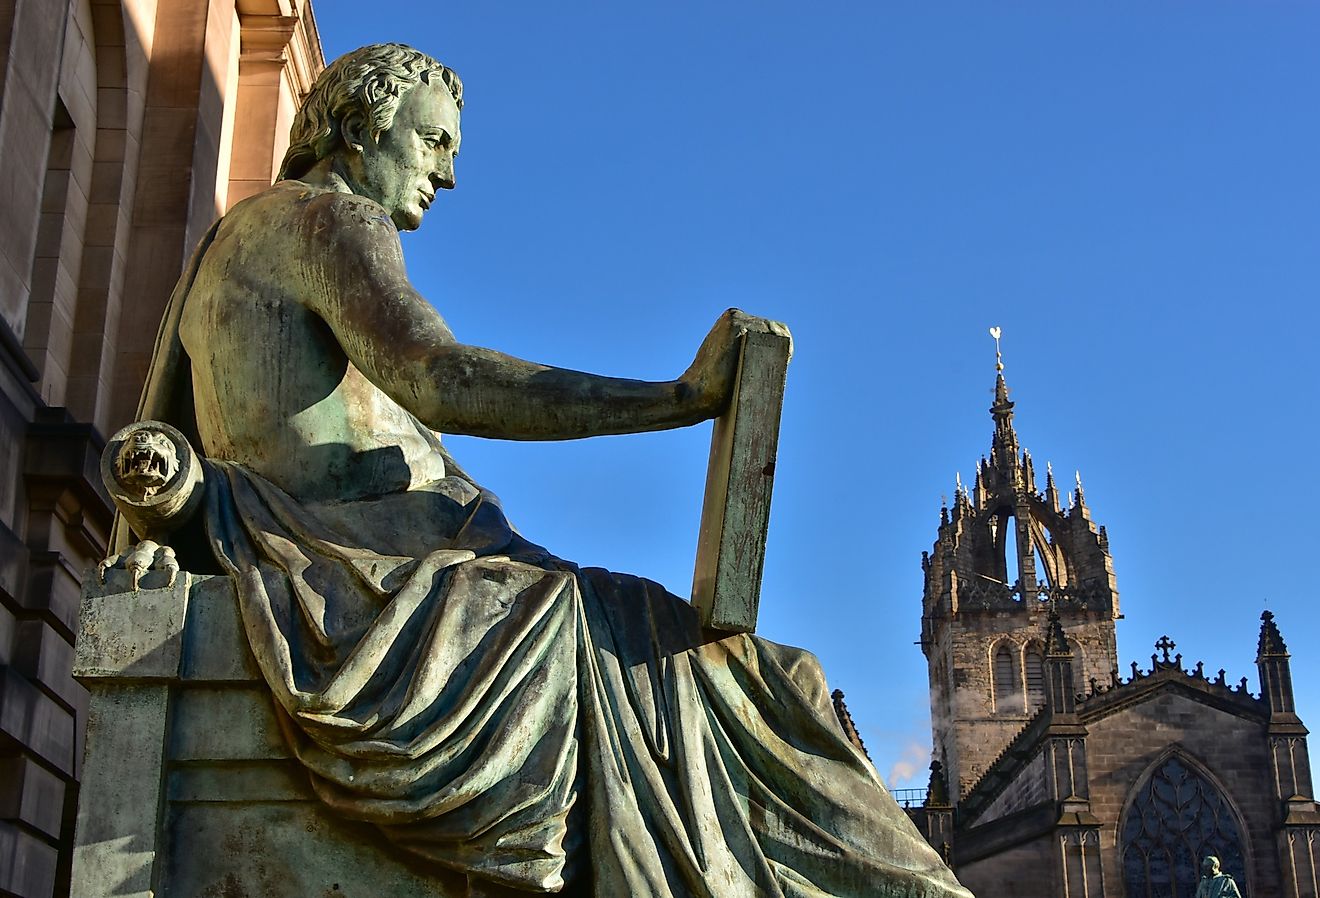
[
  {"x": 1006, "y": 553},
  {"x": 1056, "y": 774}
]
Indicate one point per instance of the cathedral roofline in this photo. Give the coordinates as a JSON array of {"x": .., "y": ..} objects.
[
  {"x": 1236, "y": 699},
  {"x": 1166, "y": 674}
]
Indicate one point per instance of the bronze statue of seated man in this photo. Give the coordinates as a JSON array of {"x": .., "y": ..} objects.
[{"x": 491, "y": 708}]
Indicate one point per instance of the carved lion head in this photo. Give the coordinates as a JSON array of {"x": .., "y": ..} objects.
[{"x": 146, "y": 462}]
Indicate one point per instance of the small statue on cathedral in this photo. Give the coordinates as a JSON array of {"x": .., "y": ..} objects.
[{"x": 1214, "y": 883}]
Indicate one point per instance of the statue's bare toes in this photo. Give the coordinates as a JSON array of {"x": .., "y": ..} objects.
[
  {"x": 167, "y": 561},
  {"x": 110, "y": 562}
]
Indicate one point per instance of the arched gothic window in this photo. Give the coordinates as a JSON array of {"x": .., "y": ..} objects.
[
  {"x": 1177, "y": 818},
  {"x": 1078, "y": 667},
  {"x": 1006, "y": 679},
  {"x": 1035, "y": 677}
]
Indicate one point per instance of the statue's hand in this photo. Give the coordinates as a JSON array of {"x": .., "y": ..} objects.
[
  {"x": 711, "y": 375},
  {"x": 147, "y": 555}
]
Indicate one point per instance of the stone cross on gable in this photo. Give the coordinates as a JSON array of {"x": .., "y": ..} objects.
[{"x": 1166, "y": 645}]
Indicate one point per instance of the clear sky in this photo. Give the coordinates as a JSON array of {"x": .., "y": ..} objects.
[{"x": 1131, "y": 190}]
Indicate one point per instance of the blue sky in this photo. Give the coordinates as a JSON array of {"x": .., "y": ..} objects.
[{"x": 1131, "y": 190}]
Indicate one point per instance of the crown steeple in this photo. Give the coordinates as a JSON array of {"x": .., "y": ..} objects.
[
  {"x": 1023, "y": 544},
  {"x": 1006, "y": 554}
]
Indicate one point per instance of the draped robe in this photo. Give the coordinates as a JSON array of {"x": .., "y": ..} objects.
[{"x": 508, "y": 715}]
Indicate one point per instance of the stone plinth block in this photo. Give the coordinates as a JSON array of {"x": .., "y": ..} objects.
[
  {"x": 189, "y": 789},
  {"x": 135, "y": 635}
]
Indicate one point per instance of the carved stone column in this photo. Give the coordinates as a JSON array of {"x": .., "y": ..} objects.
[
  {"x": 1299, "y": 835},
  {"x": 1079, "y": 858},
  {"x": 1067, "y": 776},
  {"x": 129, "y": 652}
]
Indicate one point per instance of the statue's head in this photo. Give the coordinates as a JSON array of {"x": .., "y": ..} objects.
[
  {"x": 1210, "y": 866},
  {"x": 388, "y": 117}
]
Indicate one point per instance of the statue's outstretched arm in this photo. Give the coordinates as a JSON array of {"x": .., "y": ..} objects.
[{"x": 399, "y": 341}]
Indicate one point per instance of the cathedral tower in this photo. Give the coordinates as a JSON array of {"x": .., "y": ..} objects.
[{"x": 1008, "y": 553}]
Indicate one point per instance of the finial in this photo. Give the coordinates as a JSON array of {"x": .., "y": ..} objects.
[
  {"x": 958, "y": 488},
  {"x": 1271, "y": 641},
  {"x": 937, "y": 792},
  {"x": 998, "y": 332},
  {"x": 1165, "y": 645},
  {"x": 1056, "y": 643}
]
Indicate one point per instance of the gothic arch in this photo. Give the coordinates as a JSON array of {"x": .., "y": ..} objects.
[
  {"x": 1005, "y": 660},
  {"x": 1177, "y": 812},
  {"x": 1033, "y": 674},
  {"x": 1078, "y": 664}
]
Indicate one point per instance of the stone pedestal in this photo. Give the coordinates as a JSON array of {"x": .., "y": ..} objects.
[{"x": 188, "y": 790}]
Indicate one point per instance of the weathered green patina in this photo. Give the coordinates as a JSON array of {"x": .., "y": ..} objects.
[
  {"x": 1214, "y": 883},
  {"x": 492, "y": 709}
]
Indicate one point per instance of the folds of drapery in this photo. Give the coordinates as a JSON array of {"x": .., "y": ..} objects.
[{"x": 510, "y": 716}]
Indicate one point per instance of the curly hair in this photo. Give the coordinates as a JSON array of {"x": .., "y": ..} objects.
[{"x": 363, "y": 86}]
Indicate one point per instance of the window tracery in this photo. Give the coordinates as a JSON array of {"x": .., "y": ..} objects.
[{"x": 1177, "y": 818}]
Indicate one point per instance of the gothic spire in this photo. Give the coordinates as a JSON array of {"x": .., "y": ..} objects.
[
  {"x": 1271, "y": 640},
  {"x": 1275, "y": 669},
  {"x": 1051, "y": 489},
  {"x": 846, "y": 721},
  {"x": 1004, "y": 451},
  {"x": 1059, "y": 673},
  {"x": 1056, "y": 643}
]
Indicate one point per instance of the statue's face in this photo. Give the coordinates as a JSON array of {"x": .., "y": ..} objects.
[
  {"x": 414, "y": 159},
  {"x": 1209, "y": 866}
]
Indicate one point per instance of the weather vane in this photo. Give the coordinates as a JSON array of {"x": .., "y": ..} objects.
[{"x": 997, "y": 332}]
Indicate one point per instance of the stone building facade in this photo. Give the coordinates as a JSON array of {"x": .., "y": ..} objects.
[
  {"x": 1054, "y": 775},
  {"x": 126, "y": 127}
]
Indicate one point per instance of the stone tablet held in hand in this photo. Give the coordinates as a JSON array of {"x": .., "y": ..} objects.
[{"x": 726, "y": 585}]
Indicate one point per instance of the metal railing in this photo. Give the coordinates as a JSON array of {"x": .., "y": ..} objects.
[{"x": 909, "y": 798}]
